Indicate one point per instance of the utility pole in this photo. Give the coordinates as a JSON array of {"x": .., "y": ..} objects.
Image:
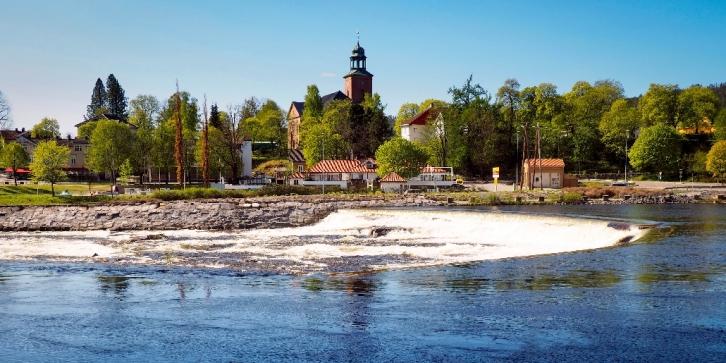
[
  {"x": 516, "y": 168},
  {"x": 539, "y": 157}
]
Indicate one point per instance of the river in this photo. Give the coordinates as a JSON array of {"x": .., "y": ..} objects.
[{"x": 518, "y": 283}]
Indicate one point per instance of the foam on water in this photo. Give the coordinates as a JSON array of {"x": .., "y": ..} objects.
[{"x": 418, "y": 237}]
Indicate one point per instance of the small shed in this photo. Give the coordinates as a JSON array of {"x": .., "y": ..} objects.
[
  {"x": 393, "y": 183},
  {"x": 543, "y": 173}
]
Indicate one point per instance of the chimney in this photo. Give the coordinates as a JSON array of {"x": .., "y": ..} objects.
[
  {"x": 23, "y": 130},
  {"x": 16, "y": 129}
]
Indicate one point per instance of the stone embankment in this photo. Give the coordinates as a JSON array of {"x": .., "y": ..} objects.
[{"x": 209, "y": 214}]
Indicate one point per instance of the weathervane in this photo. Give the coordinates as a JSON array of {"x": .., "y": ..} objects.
[{"x": 357, "y": 36}]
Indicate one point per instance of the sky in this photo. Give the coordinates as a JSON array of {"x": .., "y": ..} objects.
[{"x": 52, "y": 52}]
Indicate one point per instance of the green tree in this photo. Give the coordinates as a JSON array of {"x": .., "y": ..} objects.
[
  {"x": 659, "y": 105},
  {"x": 696, "y": 104},
  {"x": 162, "y": 151},
  {"x": 126, "y": 171},
  {"x": 716, "y": 160},
  {"x": 313, "y": 104},
  {"x": 111, "y": 145},
  {"x": 86, "y": 129},
  {"x": 99, "y": 101},
  {"x": 378, "y": 128},
  {"x": 322, "y": 142},
  {"x": 49, "y": 159},
  {"x": 47, "y": 128},
  {"x": 406, "y": 112},
  {"x": 720, "y": 125},
  {"x": 116, "y": 99},
  {"x": 14, "y": 156},
  {"x": 657, "y": 148},
  {"x": 144, "y": 110},
  {"x": 617, "y": 124},
  {"x": 400, "y": 156}
]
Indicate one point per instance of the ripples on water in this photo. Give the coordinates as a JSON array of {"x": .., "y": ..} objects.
[{"x": 660, "y": 299}]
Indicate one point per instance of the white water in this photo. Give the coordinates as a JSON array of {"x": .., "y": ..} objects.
[{"x": 422, "y": 237}]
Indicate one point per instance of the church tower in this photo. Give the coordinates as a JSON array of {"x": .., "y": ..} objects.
[{"x": 358, "y": 81}]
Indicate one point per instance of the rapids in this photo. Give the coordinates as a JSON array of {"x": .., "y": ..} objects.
[{"x": 346, "y": 240}]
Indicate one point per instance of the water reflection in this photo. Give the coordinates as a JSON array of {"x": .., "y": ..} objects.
[
  {"x": 113, "y": 283},
  {"x": 351, "y": 283},
  {"x": 545, "y": 281}
]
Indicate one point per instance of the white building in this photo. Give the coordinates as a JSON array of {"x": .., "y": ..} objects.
[{"x": 416, "y": 128}]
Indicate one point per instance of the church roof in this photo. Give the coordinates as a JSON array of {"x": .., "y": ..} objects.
[
  {"x": 358, "y": 72},
  {"x": 337, "y": 95}
]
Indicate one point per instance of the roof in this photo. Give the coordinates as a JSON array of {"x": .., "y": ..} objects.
[
  {"x": 337, "y": 95},
  {"x": 296, "y": 156},
  {"x": 10, "y": 135},
  {"x": 358, "y": 72},
  {"x": 421, "y": 118},
  {"x": 105, "y": 117},
  {"x": 341, "y": 166},
  {"x": 546, "y": 163},
  {"x": 297, "y": 176},
  {"x": 393, "y": 178},
  {"x": 433, "y": 169}
]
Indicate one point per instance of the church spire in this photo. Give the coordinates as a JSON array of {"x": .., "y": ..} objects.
[{"x": 358, "y": 81}]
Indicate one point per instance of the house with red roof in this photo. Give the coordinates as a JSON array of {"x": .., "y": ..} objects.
[
  {"x": 543, "y": 173},
  {"x": 415, "y": 129},
  {"x": 393, "y": 183},
  {"x": 338, "y": 173}
]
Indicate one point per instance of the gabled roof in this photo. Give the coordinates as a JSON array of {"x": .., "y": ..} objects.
[
  {"x": 10, "y": 135},
  {"x": 393, "y": 178},
  {"x": 335, "y": 96},
  {"x": 296, "y": 156},
  {"x": 297, "y": 176},
  {"x": 105, "y": 117},
  {"x": 546, "y": 163},
  {"x": 341, "y": 166},
  {"x": 421, "y": 118}
]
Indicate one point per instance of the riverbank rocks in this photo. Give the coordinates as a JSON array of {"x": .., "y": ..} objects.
[{"x": 209, "y": 214}]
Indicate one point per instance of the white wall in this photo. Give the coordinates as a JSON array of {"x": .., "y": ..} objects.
[{"x": 246, "y": 158}]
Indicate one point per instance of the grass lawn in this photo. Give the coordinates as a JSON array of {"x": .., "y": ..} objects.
[{"x": 39, "y": 194}]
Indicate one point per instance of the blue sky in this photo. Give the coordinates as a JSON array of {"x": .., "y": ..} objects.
[{"x": 53, "y": 51}]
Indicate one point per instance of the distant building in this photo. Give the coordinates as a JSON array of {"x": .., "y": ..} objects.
[
  {"x": 393, "y": 183},
  {"x": 357, "y": 83},
  {"x": 417, "y": 127},
  {"x": 338, "y": 173},
  {"x": 550, "y": 173},
  {"x": 76, "y": 167}
]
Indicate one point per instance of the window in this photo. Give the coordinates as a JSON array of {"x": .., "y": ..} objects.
[
  {"x": 536, "y": 179},
  {"x": 73, "y": 161},
  {"x": 300, "y": 168},
  {"x": 295, "y": 182},
  {"x": 79, "y": 148}
]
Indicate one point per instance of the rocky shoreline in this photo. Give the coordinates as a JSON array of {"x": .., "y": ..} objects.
[{"x": 247, "y": 213}]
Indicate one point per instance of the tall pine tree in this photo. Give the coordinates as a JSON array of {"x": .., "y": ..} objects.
[
  {"x": 116, "y": 99},
  {"x": 98, "y": 101},
  {"x": 214, "y": 119}
]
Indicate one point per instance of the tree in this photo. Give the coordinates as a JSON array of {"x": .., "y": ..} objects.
[
  {"x": 5, "y": 120},
  {"x": 228, "y": 140},
  {"x": 116, "y": 99},
  {"x": 696, "y": 104},
  {"x": 14, "y": 156},
  {"x": 716, "y": 160},
  {"x": 214, "y": 119},
  {"x": 162, "y": 151},
  {"x": 659, "y": 105},
  {"x": 313, "y": 104},
  {"x": 658, "y": 148},
  {"x": 322, "y": 142},
  {"x": 144, "y": 110},
  {"x": 720, "y": 125},
  {"x": 49, "y": 158},
  {"x": 400, "y": 156},
  {"x": 99, "y": 101},
  {"x": 111, "y": 146},
  {"x": 126, "y": 171},
  {"x": 86, "y": 129},
  {"x": 378, "y": 129},
  {"x": 619, "y": 123},
  {"x": 178, "y": 139},
  {"x": 406, "y": 112},
  {"x": 47, "y": 128}
]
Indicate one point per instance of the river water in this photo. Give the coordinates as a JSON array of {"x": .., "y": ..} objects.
[{"x": 536, "y": 283}]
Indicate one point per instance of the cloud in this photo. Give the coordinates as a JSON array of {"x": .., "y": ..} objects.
[{"x": 328, "y": 74}]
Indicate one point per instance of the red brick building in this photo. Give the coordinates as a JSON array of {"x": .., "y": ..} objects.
[{"x": 356, "y": 84}]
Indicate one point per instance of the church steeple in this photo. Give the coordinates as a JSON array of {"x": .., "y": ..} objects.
[{"x": 358, "y": 81}]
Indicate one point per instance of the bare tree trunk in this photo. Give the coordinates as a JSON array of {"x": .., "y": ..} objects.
[
  {"x": 52, "y": 189},
  {"x": 205, "y": 146},
  {"x": 179, "y": 142}
]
